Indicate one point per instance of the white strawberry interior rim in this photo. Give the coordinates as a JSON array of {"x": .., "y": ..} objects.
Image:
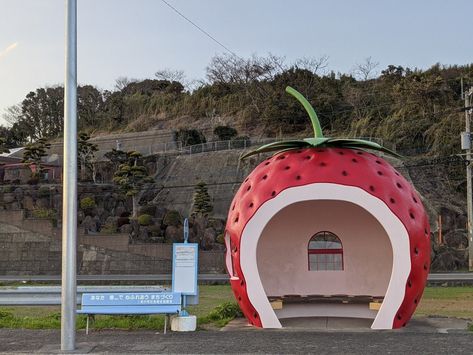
[{"x": 394, "y": 228}]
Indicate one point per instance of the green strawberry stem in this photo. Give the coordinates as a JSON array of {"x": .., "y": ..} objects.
[{"x": 310, "y": 111}]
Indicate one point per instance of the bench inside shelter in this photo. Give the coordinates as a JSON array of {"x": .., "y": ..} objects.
[
  {"x": 121, "y": 303},
  {"x": 372, "y": 302}
]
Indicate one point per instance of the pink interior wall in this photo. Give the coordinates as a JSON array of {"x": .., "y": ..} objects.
[{"x": 282, "y": 251}]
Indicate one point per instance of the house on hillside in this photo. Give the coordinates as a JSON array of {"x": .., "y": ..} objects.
[{"x": 21, "y": 173}]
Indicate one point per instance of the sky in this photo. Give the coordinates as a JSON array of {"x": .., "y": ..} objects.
[{"x": 136, "y": 38}]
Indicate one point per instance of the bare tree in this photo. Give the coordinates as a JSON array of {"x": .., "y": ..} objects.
[
  {"x": 316, "y": 65},
  {"x": 122, "y": 82},
  {"x": 230, "y": 69},
  {"x": 366, "y": 70},
  {"x": 171, "y": 75},
  {"x": 12, "y": 114}
]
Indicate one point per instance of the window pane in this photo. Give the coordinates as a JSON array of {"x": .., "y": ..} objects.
[{"x": 325, "y": 252}]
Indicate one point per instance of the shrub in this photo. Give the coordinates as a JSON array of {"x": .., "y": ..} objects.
[
  {"x": 33, "y": 181},
  {"x": 122, "y": 221},
  {"x": 108, "y": 229},
  {"x": 148, "y": 209},
  {"x": 5, "y": 314},
  {"x": 155, "y": 231},
  {"x": 225, "y": 133},
  {"x": 86, "y": 203},
  {"x": 189, "y": 137},
  {"x": 145, "y": 220},
  {"x": 43, "y": 192},
  {"x": 220, "y": 238},
  {"x": 172, "y": 218},
  {"x": 44, "y": 213},
  {"x": 225, "y": 311}
]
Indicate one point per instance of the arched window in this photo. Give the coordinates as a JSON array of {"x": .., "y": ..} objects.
[{"x": 325, "y": 252}]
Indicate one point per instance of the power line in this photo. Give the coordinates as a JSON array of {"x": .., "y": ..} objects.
[{"x": 199, "y": 28}]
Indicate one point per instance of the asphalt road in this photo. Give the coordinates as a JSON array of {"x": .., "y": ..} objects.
[{"x": 240, "y": 342}]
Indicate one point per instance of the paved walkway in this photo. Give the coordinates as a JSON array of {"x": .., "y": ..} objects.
[{"x": 427, "y": 336}]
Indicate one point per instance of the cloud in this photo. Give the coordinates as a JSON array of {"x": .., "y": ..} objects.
[{"x": 8, "y": 49}]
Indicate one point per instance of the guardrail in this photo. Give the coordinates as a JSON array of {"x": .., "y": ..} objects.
[
  {"x": 51, "y": 295},
  {"x": 95, "y": 278},
  {"x": 447, "y": 276}
]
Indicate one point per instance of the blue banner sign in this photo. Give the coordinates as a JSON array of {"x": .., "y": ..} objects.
[{"x": 131, "y": 299}]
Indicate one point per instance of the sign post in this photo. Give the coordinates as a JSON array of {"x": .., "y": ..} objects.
[{"x": 184, "y": 269}]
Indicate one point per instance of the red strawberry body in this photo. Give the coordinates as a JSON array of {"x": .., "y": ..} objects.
[{"x": 313, "y": 168}]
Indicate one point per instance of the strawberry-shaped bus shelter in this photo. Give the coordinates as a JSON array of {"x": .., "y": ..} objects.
[{"x": 326, "y": 228}]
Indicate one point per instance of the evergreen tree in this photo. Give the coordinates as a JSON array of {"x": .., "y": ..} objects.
[
  {"x": 131, "y": 176},
  {"x": 33, "y": 154},
  {"x": 3, "y": 147},
  {"x": 201, "y": 203}
]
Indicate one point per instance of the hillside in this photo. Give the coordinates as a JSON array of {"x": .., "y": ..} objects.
[{"x": 415, "y": 110}]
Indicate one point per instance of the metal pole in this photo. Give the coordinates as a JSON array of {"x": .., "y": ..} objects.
[
  {"x": 69, "y": 191},
  {"x": 469, "y": 187}
]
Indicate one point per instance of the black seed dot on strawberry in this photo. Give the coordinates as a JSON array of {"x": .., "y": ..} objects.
[
  {"x": 396, "y": 173},
  {"x": 307, "y": 157},
  {"x": 371, "y": 188},
  {"x": 354, "y": 160},
  {"x": 359, "y": 153},
  {"x": 399, "y": 317},
  {"x": 404, "y": 324},
  {"x": 320, "y": 150},
  {"x": 265, "y": 177},
  {"x": 247, "y": 179},
  {"x": 415, "y": 301},
  {"x": 322, "y": 164},
  {"x": 235, "y": 220},
  {"x": 242, "y": 283},
  {"x": 398, "y": 185},
  {"x": 233, "y": 208},
  {"x": 255, "y": 315},
  {"x": 344, "y": 173},
  {"x": 239, "y": 298},
  {"x": 298, "y": 177},
  {"x": 273, "y": 193},
  {"x": 392, "y": 200},
  {"x": 416, "y": 251},
  {"x": 281, "y": 157},
  {"x": 380, "y": 173},
  {"x": 248, "y": 188},
  {"x": 299, "y": 151},
  {"x": 409, "y": 283},
  {"x": 341, "y": 153},
  {"x": 426, "y": 232},
  {"x": 267, "y": 163},
  {"x": 411, "y": 215},
  {"x": 425, "y": 267},
  {"x": 251, "y": 204},
  {"x": 378, "y": 162},
  {"x": 287, "y": 168}
]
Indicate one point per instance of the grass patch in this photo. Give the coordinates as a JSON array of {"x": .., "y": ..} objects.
[
  {"x": 447, "y": 302},
  {"x": 215, "y": 308}
]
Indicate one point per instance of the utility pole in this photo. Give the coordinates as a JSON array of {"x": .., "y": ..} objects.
[
  {"x": 69, "y": 189},
  {"x": 466, "y": 145}
]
